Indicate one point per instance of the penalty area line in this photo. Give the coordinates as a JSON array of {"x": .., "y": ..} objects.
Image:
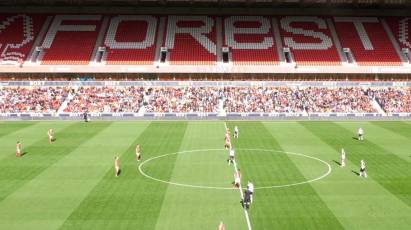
[{"x": 247, "y": 217}]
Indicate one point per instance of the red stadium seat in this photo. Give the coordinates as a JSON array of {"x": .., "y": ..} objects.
[
  {"x": 250, "y": 40},
  {"x": 309, "y": 40},
  {"x": 131, "y": 40},
  {"x": 191, "y": 40},
  {"x": 400, "y": 27},
  {"x": 70, "y": 45},
  {"x": 370, "y": 47},
  {"x": 17, "y": 35}
]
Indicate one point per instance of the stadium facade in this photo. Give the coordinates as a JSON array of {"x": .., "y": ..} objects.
[{"x": 51, "y": 52}]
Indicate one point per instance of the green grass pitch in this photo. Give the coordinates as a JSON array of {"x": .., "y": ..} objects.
[{"x": 70, "y": 184}]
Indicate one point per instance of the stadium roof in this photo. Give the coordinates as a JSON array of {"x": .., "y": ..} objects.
[{"x": 277, "y": 3}]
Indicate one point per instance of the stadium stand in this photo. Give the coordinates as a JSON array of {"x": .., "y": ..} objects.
[
  {"x": 71, "y": 39},
  {"x": 340, "y": 100},
  {"x": 105, "y": 99},
  {"x": 17, "y": 35},
  {"x": 130, "y": 40},
  {"x": 289, "y": 100},
  {"x": 250, "y": 40},
  {"x": 201, "y": 39},
  {"x": 400, "y": 27},
  {"x": 191, "y": 40},
  {"x": 394, "y": 100},
  {"x": 367, "y": 40},
  {"x": 241, "y": 100},
  {"x": 182, "y": 100},
  {"x": 32, "y": 99},
  {"x": 281, "y": 99},
  {"x": 310, "y": 41}
]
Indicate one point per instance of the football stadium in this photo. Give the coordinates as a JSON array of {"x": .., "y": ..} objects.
[{"x": 205, "y": 114}]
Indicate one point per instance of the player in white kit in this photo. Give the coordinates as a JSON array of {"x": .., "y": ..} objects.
[
  {"x": 250, "y": 188},
  {"x": 235, "y": 132},
  {"x": 231, "y": 156},
  {"x": 363, "y": 173},
  {"x": 342, "y": 157},
  {"x": 360, "y": 134}
]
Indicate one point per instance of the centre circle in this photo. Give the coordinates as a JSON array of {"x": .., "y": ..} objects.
[{"x": 282, "y": 185}]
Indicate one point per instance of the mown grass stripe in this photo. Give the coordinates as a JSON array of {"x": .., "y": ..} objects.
[
  {"x": 201, "y": 168},
  {"x": 12, "y": 132},
  {"x": 286, "y": 208},
  {"x": 357, "y": 203},
  {"x": 130, "y": 201},
  {"x": 18, "y": 171},
  {"x": 387, "y": 139},
  {"x": 28, "y": 135},
  {"x": 72, "y": 177},
  {"x": 386, "y": 168},
  {"x": 11, "y": 127},
  {"x": 399, "y": 127}
]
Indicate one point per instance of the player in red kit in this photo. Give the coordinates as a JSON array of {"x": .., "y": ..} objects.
[
  {"x": 50, "y": 134},
  {"x": 221, "y": 226},
  {"x": 227, "y": 144},
  {"x": 237, "y": 179},
  {"x": 117, "y": 166},
  {"x": 138, "y": 152},
  {"x": 18, "y": 149}
]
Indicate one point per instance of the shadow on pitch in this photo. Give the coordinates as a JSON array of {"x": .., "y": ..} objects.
[
  {"x": 24, "y": 153},
  {"x": 355, "y": 172},
  {"x": 118, "y": 173},
  {"x": 245, "y": 204},
  {"x": 338, "y": 163},
  {"x": 355, "y": 138}
]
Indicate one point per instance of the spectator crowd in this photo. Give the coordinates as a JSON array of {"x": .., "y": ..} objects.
[
  {"x": 182, "y": 100},
  {"x": 204, "y": 99},
  {"x": 394, "y": 100},
  {"x": 106, "y": 99},
  {"x": 294, "y": 100},
  {"x": 28, "y": 99}
]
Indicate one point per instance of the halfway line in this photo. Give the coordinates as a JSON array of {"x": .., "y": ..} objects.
[{"x": 247, "y": 217}]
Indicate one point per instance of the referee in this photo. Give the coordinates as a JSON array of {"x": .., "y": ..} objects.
[{"x": 85, "y": 116}]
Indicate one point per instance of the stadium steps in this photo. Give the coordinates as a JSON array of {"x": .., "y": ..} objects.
[
  {"x": 100, "y": 38},
  {"x": 38, "y": 41},
  {"x": 378, "y": 107},
  {"x": 221, "y": 108},
  {"x": 336, "y": 40},
  {"x": 393, "y": 41},
  {"x": 67, "y": 100},
  {"x": 278, "y": 42},
  {"x": 160, "y": 38},
  {"x": 143, "y": 109},
  {"x": 219, "y": 39}
]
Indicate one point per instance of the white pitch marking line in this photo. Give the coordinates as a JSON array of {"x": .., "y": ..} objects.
[
  {"x": 247, "y": 217},
  {"x": 231, "y": 188}
]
